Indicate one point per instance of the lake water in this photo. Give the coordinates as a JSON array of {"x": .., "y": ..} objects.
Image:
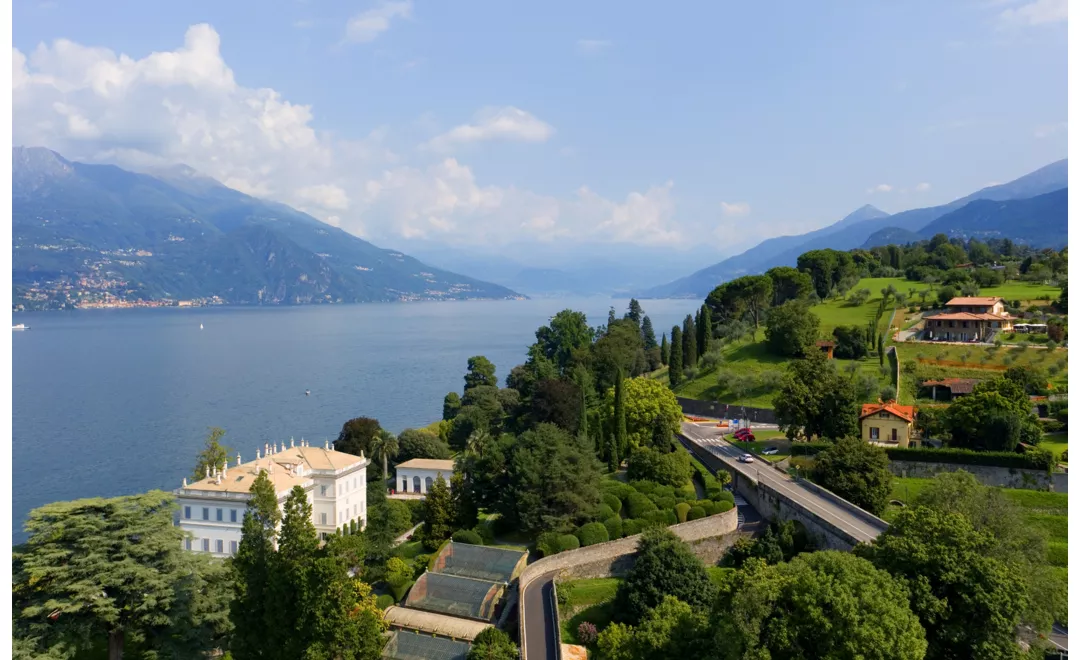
[{"x": 115, "y": 402}]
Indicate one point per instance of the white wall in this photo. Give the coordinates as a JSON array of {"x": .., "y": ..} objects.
[{"x": 410, "y": 474}]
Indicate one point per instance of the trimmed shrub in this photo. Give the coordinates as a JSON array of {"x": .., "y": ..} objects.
[
  {"x": 681, "y": 509},
  {"x": 721, "y": 507},
  {"x": 695, "y": 513},
  {"x": 686, "y": 492},
  {"x": 665, "y": 503},
  {"x": 612, "y": 501},
  {"x": 809, "y": 448},
  {"x": 643, "y": 487},
  {"x": 421, "y": 564},
  {"x": 467, "y": 536},
  {"x": 483, "y": 530},
  {"x": 637, "y": 505},
  {"x": 709, "y": 506},
  {"x": 665, "y": 517},
  {"x": 1039, "y": 459},
  {"x": 592, "y": 533},
  {"x": 664, "y": 491},
  {"x": 547, "y": 543},
  {"x": 715, "y": 492},
  {"x": 569, "y": 542},
  {"x": 614, "y": 526},
  {"x": 399, "y": 590},
  {"x": 632, "y": 526},
  {"x": 617, "y": 488},
  {"x": 604, "y": 512},
  {"x": 725, "y": 496},
  {"x": 384, "y": 601}
]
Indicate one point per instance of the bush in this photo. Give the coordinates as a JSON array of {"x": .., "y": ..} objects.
[
  {"x": 681, "y": 510},
  {"x": 612, "y": 501},
  {"x": 722, "y": 507},
  {"x": 725, "y": 496},
  {"x": 665, "y": 502},
  {"x": 416, "y": 511},
  {"x": 467, "y": 536},
  {"x": 420, "y": 564},
  {"x": 614, "y": 527},
  {"x": 808, "y": 448},
  {"x": 1052, "y": 426},
  {"x": 632, "y": 526},
  {"x": 637, "y": 505},
  {"x": 586, "y": 633},
  {"x": 604, "y": 512},
  {"x": 644, "y": 487},
  {"x": 483, "y": 530},
  {"x": 1039, "y": 459},
  {"x": 696, "y": 513},
  {"x": 617, "y": 488},
  {"x": 592, "y": 533},
  {"x": 547, "y": 544},
  {"x": 568, "y": 542},
  {"x": 384, "y": 601},
  {"x": 665, "y": 517}
]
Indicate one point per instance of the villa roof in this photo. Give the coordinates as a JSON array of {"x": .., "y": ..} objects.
[
  {"x": 969, "y": 316},
  {"x": 823, "y": 343},
  {"x": 974, "y": 300},
  {"x": 906, "y": 413},
  {"x": 286, "y": 467},
  {"x": 446, "y": 465},
  {"x": 955, "y": 385}
]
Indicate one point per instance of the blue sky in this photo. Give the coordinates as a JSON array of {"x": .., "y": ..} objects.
[{"x": 701, "y": 127}]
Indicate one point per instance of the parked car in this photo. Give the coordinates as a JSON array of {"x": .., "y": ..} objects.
[
  {"x": 743, "y": 435},
  {"x": 746, "y": 458},
  {"x": 770, "y": 451}
]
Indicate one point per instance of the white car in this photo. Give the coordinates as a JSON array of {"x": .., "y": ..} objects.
[
  {"x": 746, "y": 458},
  {"x": 770, "y": 451}
]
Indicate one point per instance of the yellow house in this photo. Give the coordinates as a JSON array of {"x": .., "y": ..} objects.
[{"x": 889, "y": 424}]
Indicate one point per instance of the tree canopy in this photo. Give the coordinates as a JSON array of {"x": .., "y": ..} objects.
[
  {"x": 816, "y": 401},
  {"x": 856, "y": 471},
  {"x": 357, "y": 435},
  {"x": 214, "y": 454},
  {"x": 665, "y": 566},
  {"x": 648, "y": 402},
  {"x": 791, "y": 329}
]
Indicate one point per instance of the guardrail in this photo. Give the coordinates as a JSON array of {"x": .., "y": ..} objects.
[
  {"x": 555, "y": 618},
  {"x": 858, "y": 512}
]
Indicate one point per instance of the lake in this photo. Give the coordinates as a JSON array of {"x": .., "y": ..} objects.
[{"x": 115, "y": 402}]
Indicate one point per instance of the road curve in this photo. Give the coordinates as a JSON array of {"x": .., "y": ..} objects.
[
  {"x": 857, "y": 527},
  {"x": 536, "y": 609}
]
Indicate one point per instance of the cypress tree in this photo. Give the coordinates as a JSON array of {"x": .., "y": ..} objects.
[
  {"x": 705, "y": 330},
  {"x": 697, "y": 332},
  {"x": 648, "y": 335},
  {"x": 881, "y": 349},
  {"x": 621, "y": 440},
  {"x": 635, "y": 312},
  {"x": 583, "y": 424},
  {"x": 689, "y": 342},
  {"x": 665, "y": 350},
  {"x": 292, "y": 595},
  {"x": 250, "y": 611},
  {"x": 610, "y": 316},
  {"x": 612, "y": 454},
  {"x": 438, "y": 515},
  {"x": 675, "y": 363}
]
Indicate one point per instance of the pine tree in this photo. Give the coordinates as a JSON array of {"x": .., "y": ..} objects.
[
  {"x": 621, "y": 441},
  {"x": 292, "y": 598},
  {"x": 251, "y": 611},
  {"x": 689, "y": 343},
  {"x": 635, "y": 312},
  {"x": 704, "y": 330},
  {"x": 648, "y": 335},
  {"x": 675, "y": 364},
  {"x": 213, "y": 455},
  {"x": 665, "y": 350},
  {"x": 438, "y": 515},
  {"x": 610, "y": 316}
]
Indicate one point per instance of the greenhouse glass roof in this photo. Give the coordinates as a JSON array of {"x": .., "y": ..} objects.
[{"x": 405, "y": 645}]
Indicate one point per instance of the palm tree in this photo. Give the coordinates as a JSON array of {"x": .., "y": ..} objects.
[
  {"x": 477, "y": 442},
  {"x": 384, "y": 446}
]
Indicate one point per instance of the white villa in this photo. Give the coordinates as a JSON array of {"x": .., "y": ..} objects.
[
  {"x": 212, "y": 509},
  {"x": 417, "y": 475}
]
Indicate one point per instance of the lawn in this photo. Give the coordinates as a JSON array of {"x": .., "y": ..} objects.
[
  {"x": 837, "y": 312},
  {"x": 927, "y": 361},
  {"x": 766, "y": 439},
  {"x": 1058, "y": 443},
  {"x": 1023, "y": 291},
  {"x": 585, "y": 600}
]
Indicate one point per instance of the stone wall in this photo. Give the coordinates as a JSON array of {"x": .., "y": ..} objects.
[
  {"x": 986, "y": 474},
  {"x": 719, "y": 410}
]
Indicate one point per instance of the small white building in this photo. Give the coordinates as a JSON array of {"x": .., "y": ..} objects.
[
  {"x": 212, "y": 509},
  {"x": 418, "y": 474}
]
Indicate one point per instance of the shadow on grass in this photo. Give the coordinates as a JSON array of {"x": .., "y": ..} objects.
[{"x": 599, "y": 615}]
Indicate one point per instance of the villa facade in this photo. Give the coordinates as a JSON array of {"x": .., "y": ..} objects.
[
  {"x": 969, "y": 319},
  {"x": 418, "y": 475},
  {"x": 212, "y": 509},
  {"x": 889, "y": 424}
]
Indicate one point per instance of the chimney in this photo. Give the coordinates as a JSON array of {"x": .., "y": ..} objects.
[
  {"x": 225, "y": 469},
  {"x": 207, "y": 471},
  {"x": 185, "y": 482},
  {"x": 292, "y": 443},
  {"x": 257, "y": 456},
  {"x": 266, "y": 449},
  {"x": 326, "y": 444},
  {"x": 238, "y": 461}
]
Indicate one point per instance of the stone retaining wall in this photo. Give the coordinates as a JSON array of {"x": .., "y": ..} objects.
[{"x": 988, "y": 475}]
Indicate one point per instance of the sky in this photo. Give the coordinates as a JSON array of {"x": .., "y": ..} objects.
[{"x": 540, "y": 128}]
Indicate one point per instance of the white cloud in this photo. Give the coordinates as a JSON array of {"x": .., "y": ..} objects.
[
  {"x": 922, "y": 187},
  {"x": 1039, "y": 12},
  {"x": 879, "y": 188},
  {"x": 590, "y": 46},
  {"x": 1048, "y": 130},
  {"x": 735, "y": 208},
  {"x": 185, "y": 106},
  {"x": 508, "y": 123},
  {"x": 368, "y": 25}
]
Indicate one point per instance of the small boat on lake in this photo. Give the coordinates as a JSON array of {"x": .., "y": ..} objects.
[{"x": 20, "y": 327}]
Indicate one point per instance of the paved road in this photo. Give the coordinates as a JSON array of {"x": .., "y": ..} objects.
[
  {"x": 708, "y": 437},
  {"x": 540, "y": 642}
]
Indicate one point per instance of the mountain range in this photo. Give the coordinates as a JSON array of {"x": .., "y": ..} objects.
[
  {"x": 175, "y": 234},
  {"x": 1032, "y": 210}
]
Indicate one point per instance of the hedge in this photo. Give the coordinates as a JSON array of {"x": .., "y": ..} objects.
[
  {"x": 384, "y": 601},
  {"x": 681, "y": 510},
  {"x": 467, "y": 536},
  {"x": 665, "y": 517},
  {"x": 569, "y": 542},
  {"x": 632, "y": 526},
  {"x": 809, "y": 448},
  {"x": 724, "y": 506},
  {"x": 695, "y": 513},
  {"x": 592, "y": 533},
  {"x": 617, "y": 488},
  {"x": 614, "y": 526},
  {"x": 1039, "y": 459},
  {"x": 645, "y": 487},
  {"x": 612, "y": 501}
]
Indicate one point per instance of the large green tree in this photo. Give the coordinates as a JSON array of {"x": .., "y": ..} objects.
[
  {"x": 480, "y": 372},
  {"x": 819, "y": 605},
  {"x": 357, "y": 435},
  {"x": 618, "y": 415},
  {"x": 420, "y": 443},
  {"x": 672, "y": 629},
  {"x": 557, "y": 401},
  {"x": 94, "y": 570},
  {"x": 647, "y": 403},
  {"x": 214, "y": 454},
  {"x": 552, "y": 481},
  {"x": 493, "y": 644},
  {"x": 995, "y": 416},
  {"x": 689, "y": 342},
  {"x": 856, "y": 471},
  {"x": 439, "y": 514},
  {"x": 665, "y": 566},
  {"x": 789, "y": 284},
  {"x": 252, "y": 609},
  {"x": 665, "y": 350},
  {"x": 648, "y": 335},
  {"x": 816, "y": 401},
  {"x": 791, "y": 329},
  {"x": 704, "y": 330},
  {"x": 384, "y": 447},
  {"x": 620, "y": 347},
  {"x": 564, "y": 339}
]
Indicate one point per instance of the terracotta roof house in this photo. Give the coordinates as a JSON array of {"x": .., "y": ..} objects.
[
  {"x": 969, "y": 319},
  {"x": 954, "y": 386},
  {"x": 888, "y": 423},
  {"x": 826, "y": 346}
]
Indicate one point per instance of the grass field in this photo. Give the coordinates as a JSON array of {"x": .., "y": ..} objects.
[
  {"x": 1023, "y": 291},
  {"x": 926, "y": 361},
  {"x": 1058, "y": 443},
  {"x": 766, "y": 439},
  {"x": 587, "y": 600},
  {"x": 837, "y": 312}
]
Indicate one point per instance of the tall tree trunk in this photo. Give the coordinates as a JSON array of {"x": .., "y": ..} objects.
[
  {"x": 116, "y": 644},
  {"x": 385, "y": 473}
]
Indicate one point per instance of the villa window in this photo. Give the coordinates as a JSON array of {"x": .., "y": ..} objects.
[
  {"x": 232, "y": 515},
  {"x": 206, "y": 545},
  {"x": 404, "y": 485},
  {"x": 220, "y": 515},
  {"x": 883, "y": 415},
  {"x": 427, "y": 484},
  {"x": 187, "y": 544},
  {"x": 875, "y": 433},
  {"x": 232, "y": 547},
  {"x": 206, "y": 513},
  {"x": 187, "y": 512},
  {"x": 220, "y": 547},
  {"x": 322, "y": 518},
  {"x": 322, "y": 491}
]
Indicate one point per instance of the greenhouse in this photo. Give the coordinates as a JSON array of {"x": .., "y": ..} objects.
[
  {"x": 479, "y": 562},
  {"x": 455, "y": 595},
  {"x": 404, "y": 645}
]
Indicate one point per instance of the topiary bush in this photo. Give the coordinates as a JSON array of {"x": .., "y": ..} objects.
[
  {"x": 643, "y": 487},
  {"x": 384, "y": 601},
  {"x": 724, "y": 496},
  {"x": 467, "y": 536},
  {"x": 664, "y": 491},
  {"x": 681, "y": 509},
  {"x": 547, "y": 544},
  {"x": 603, "y": 512},
  {"x": 663, "y": 517},
  {"x": 592, "y": 533},
  {"x": 637, "y": 505},
  {"x": 612, "y": 501},
  {"x": 695, "y": 513},
  {"x": 632, "y": 526},
  {"x": 666, "y": 503},
  {"x": 617, "y": 488},
  {"x": 721, "y": 507},
  {"x": 569, "y": 542},
  {"x": 614, "y": 526},
  {"x": 709, "y": 506}
]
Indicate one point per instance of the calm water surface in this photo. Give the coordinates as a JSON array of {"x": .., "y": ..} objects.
[{"x": 115, "y": 402}]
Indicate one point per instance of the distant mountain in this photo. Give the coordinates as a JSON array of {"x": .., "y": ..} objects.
[
  {"x": 94, "y": 229},
  {"x": 853, "y": 232},
  {"x": 1041, "y": 221},
  {"x": 891, "y": 236}
]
